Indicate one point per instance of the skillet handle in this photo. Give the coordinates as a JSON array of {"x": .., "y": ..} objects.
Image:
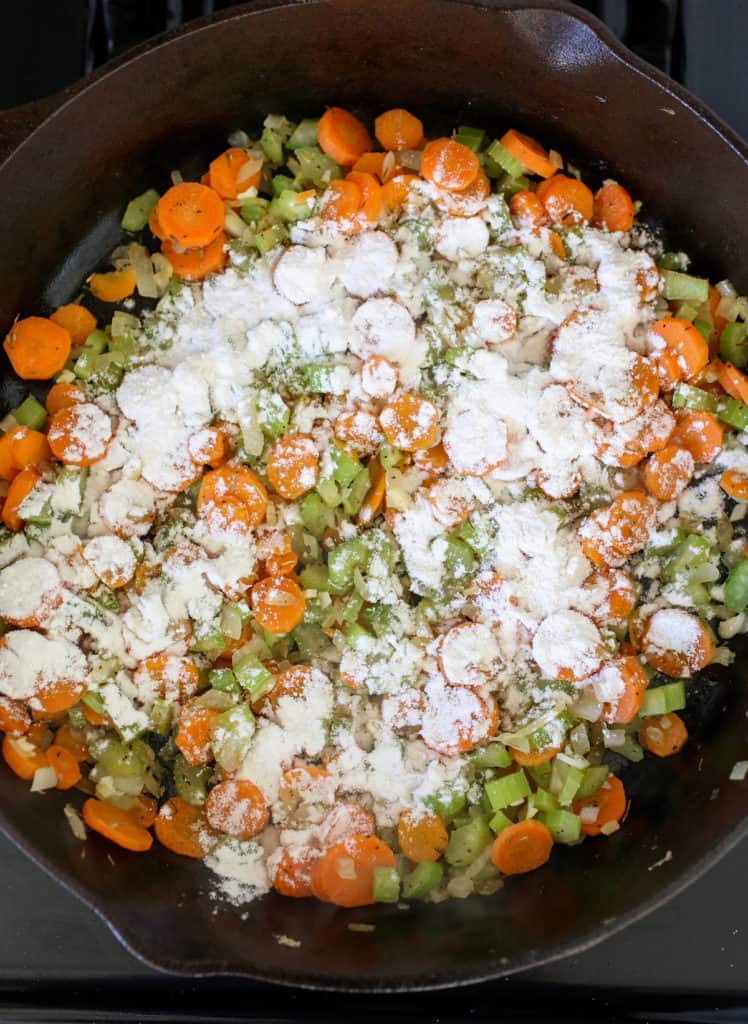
[{"x": 19, "y": 122}]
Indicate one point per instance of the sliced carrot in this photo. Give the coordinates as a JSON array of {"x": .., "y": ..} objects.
[
  {"x": 225, "y": 173},
  {"x": 527, "y": 209},
  {"x": 18, "y": 491},
  {"x": 467, "y": 203},
  {"x": 23, "y": 757},
  {"x": 72, "y": 438},
  {"x": 433, "y": 461},
  {"x": 449, "y": 165},
  {"x": 410, "y": 422},
  {"x": 568, "y": 201},
  {"x": 609, "y": 802},
  {"x": 78, "y": 321},
  {"x": 183, "y": 828},
  {"x": 281, "y": 563},
  {"x": 395, "y": 190},
  {"x": 194, "y": 735},
  {"x": 190, "y": 214},
  {"x": 371, "y": 197},
  {"x": 344, "y": 820},
  {"x": 196, "y": 264},
  {"x": 116, "y": 825},
  {"x": 238, "y": 808},
  {"x": 557, "y": 245},
  {"x": 685, "y": 661},
  {"x": 62, "y": 396},
  {"x": 733, "y": 381},
  {"x": 233, "y": 484},
  {"x": 278, "y": 604},
  {"x": 374, "y": 500},
  {"x": 614, "y": 533},
  {"x": 209, "y": 446},
  {"x": 735, "y": 484},
  {"x": 344, "y": 874},
  {"x": 700, "y": 432},
  {"x": 715, "y": 297},
  {"x": 668, "y": 370},
  {"x": 683, "y": 341},
  {"x": 65, "y": 766},
  {"x": 522, "y": 847},
  {"x": 30, "y": 447},
  {"x": 533, "y": 157},
  {"x": 14, "y": 718},
  {"x": 114, "y": 286},
  {"x": 532, "y": 758},
  {"x": 371, "y": 163},
  {"x": 155, "y": 225},
  {"x": 398, "y": 129},
  {"x": 55, "y": 697},
  {"x": 37, "y": 348},
  {"x": 614, "y": 208},
  {"x": 620, "y": 598},
  {"x": 542, "y": 188},
  {"x": 634, "y": 679},
  {"x": 668, "y": 472},
  {"x": 94, "y": 717},
  {"x": 422, "y": 837},
  {"x": 645, "y": 379},
  {"x": 71, "y": 740},
  {"x": 293, "y": 465},
  {"x": 358, "y": 431},
  {"x": 663, "y": 735},
  {"x": 293, "y": 872},
  {"x": 174, "y": 678},
  {"x": 342, "y": 136}
]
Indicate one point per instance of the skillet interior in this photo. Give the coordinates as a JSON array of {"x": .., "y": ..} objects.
[{"x": 556, "y": 72}]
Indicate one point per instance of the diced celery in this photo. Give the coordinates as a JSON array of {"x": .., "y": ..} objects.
[
  {"x": 733, "y": 412},
  {"x": 282, "y": 183},
  {"x": 191, "y": 781},
  {"x": 733, "y": 344},
  {"x": 315, "y": 577},
  {"x": 570, "y": 785},
  {"x": 736, "y": 587},
  {"x": 304, "y": 135},
  {"x": 467, "y": 842},
  {"x": 671, "y": 261},
  {"x": 315, "y": 167},
  {"x": 685, "y": 396},
  {"x": 505, "y": 160},
  {"x": 253, "y": 210},
  {"x": 692, "y": 551},
  {"x": 541, "y": 774},
  {"x": 120, "y": 761},
  {"x": 594, "y": 777},
  {"x": 508, "y": 790},
  {"x": 344, "y": 559},
  {"x": 352, "y": 608},
  {"x": 564, "y": 826},
  {"x": 687, "y": 311},
  {"x": 96, "y": 342},
  {"x": 315, "y": 515},
  {"x": 271, "y": 144},
  {"x": 311, "y": 640},
  {"x": 319, "y": 377},
  {"x": 356, "y": 493},
  {"x": 509, "y": 186},
  {"x": 211, "y": 642},
  {"x": 422, "y": 879},
  {"x": 389, "y": 456},
  {"x": 356, "y": 636},
  {"x": 704, "y": 328},
  {"x": 630, "y": 749},
  {"x": 499, "y": 822},
  {"x": 459, "y": 562},
  {"x": 495, "y": 755},
  {"x": 138, "y": 211},
  {"x": 31, "y": 414},
  {"x": 378, "y": 617},
  {"x": 93, "y": 700},
  {"x": 386, "y": 882},
  {"x": 108, "y": 371},
  {"x": 288, "y": 207},
  {"x": 545, "y": 801},
  {"x": 659, "y": 700},
  {"x": 272, "y": 411},
  {"x": 447, "y": 803},
  {"x": 232, "y": 734},
  {"x": 345, "y": 467},
  {"x": 679, "y": 287},
  {"x": 470, "y": 137},
  {"x": 83, "y": 366},
  {"x": 252, "y": 676},
  {"x": 270, "y": 237},
  {"x": 160, "y": 716},
  {"x": 223, "y": 679}
]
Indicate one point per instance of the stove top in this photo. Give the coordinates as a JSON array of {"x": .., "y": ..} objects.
[{"x": 688, "y": 961}]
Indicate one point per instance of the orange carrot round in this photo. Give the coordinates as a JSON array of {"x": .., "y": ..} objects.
[
  {"x": 62, "y": 396},
  {"x": 634, "y": 679},
  {"x": 278, "y": 604},
  {"x": 527, "y": 209},
  {"x": 531, "y": 758},
  {"x": 55, "y": 697},
  {"x": 530, "y": 153},
  {"x": 293, "y": 465},
  {"x": 609, "y": 802},
  {"x": 683, "y": 341},
  {"x": 114, "y": 286},
  {"x": 614, "y": 208},
  {"x": 342, "y": 136},
  {"x": 116, "y": 825},
  {"x": 293, "y": 872},
  {"x": 183, "y": 828},
  {"x": 398, "y": 129},
  {"x": 37, "y": 348},
  {"x": 342, "y": 203},
  {"x": 449, "y": 165},
  {"x": 238, "y": 808},
  {"x": 733, "y": 381},
  {"x": 65, "y": 765},
  {"x": 693, "y": 652},
  {"x": 344, "y": 875},
  {"x": 194, "y": 735},
  {"x": 735, "y": 483},
  {"x": 522, "y": 847},
  {"x": 663, "y": 735},
  {"x": 192, "y": 215},
  {"x": 422, "y": 837},
  {"x": 14, "y": 718},
  {"x": 568, "y": 201},
  {"x": 71, "y": 740},
  {"x": 226, "y": 175},
  {"x": 196, "y": 264},
  {"x": 395, "y": 190},
  {"x": 371, "y": 163},
  {"x": 80, "y": 434},
  {"x": 668, "y": 472},
  {"x": 23, "y": 757},
  {"x": 410, "y": 422},
  {"x": 78, "y": 321},
  {"x": 18, "y": 491},
  {"x": 233, "y": 484},
  {"x": 700, "y": 432}
]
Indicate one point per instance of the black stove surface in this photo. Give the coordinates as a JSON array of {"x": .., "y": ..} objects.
[{"x": 688, "y": 961}]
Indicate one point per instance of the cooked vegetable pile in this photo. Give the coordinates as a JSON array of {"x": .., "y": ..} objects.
[{"x": 381, "y": 524}]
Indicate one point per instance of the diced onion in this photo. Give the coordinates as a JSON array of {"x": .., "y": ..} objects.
[
  {"x": 739, "y": 771},
  {"x": 44, "y": 778},
  {"x": 609, "y": 828},
  {"x": 345, "y": 867},
  {"x": 231, "y": 622},
  {"x": 588, "y": 815},
  {"x": 75, "y": 822},
  {"x": 725, "y": 288},
  {"x": 176, "y": 177},
  {"x": 239, "y": 138},
  {"x": 728, "y": 307},
  {"x": 144, "y": 276}
]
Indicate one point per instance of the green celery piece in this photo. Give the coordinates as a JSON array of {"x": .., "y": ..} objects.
[
  {"x": 352, "y": 608},
  {"x": 594, "y": 777},
  {"x": 270, "y": 238},
  {"x": 691, "y": 552},
  {"x": 191, "y": 781},
  {"x": 316, "y": 516},
  {"x": 508, "y": 790},
  {"x": 209, "y": 643},
  {"x": 564, "y": 826},
  {"x": 422, "y": 879},
  {"x": 545, "y": 801},
  {"x": 311, "y": 640},
  {"x": 704, "y": 328},
  {"x": 160, "y": 716},
  {"x": 736, "y": 587},
  {"x": 733, "y": 344},
  {"x": 252, "y": 676},
  {"x": 232, "y": 734},
  {"x": 282, "y": 183},
  {"x": 541, "y": 774},
  {"x": 680, "y": 287},
  {"x": 630, "y": 750},
  {"x": 223, "y": 679},
  {"x": 470, "y": 137},
  {"x": 499, "y": 822},
  {"x": 344, "y": 559},
  {"x": 733, "y": 412},
  {"x": 304, "y": 135},
  {"x": 96, "y": 342},
  {"x": 459, "y": 562},
  {"x": 315, "y": 167},
  {"x": 356, "y": 636},
  {"x": 378, "y": 618},
  {"x": 389, "y": 456},
  {"x": 670, "y": 261},
  {"x": 119, "y": 760},
  {"x": 273, "y": 413},
  {"x": 329, "y": 492},
  {"x": 467, "y": 842},
  {"x": 509, "y": 186},
  {"x": 138, "y": 211},
  {"x": 287, "y": 207},
  {"x": 687, "y": 311},
  {"x": 83, "y": 367},
  {"x": 446, "y": 803},
  {"x": 345, "y": 467},
  {"x": 505, "y": 160},
  {"x": 659, "y": 700},
  {"x": 94, "y": 701},
  {"x": 685, "y": 396},
  {"x": 356, "y": 493},
  {"x": 319, "y": 377},
  {"x": 30, "y": 413},
  {"x": 570, "y": 787},
  {"x": 386, "y": 885},
  {"x": 253, "y": 210},
  {"x": 495, "y": 755}
]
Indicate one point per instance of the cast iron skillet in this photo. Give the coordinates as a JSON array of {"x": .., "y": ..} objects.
[{"x": 558, "y": 73}]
